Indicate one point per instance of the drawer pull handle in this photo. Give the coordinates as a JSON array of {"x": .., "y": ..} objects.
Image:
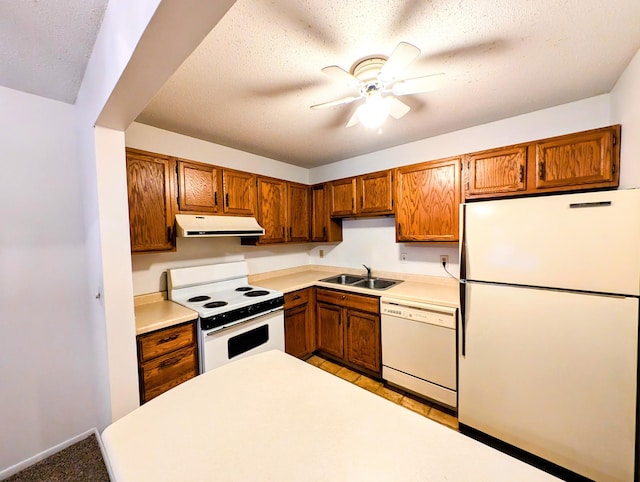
[
  {"x": 168, "y": 339},
  {"x": 171, "y": 361},
  {"x": 296, "y": 297}
]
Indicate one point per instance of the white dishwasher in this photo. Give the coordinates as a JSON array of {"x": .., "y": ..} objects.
[{"x": 419, "y": 348}]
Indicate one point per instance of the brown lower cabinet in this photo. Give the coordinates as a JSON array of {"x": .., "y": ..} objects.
[
  {"x": 166, "y": 358},
  {"x": 348, "y": 329},
  {"x": 299, "y": 323}
]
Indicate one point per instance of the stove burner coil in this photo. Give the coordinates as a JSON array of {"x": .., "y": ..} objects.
[
  {"x": 198, "y": 298},
  {"x": 254, "y": 293},
  {"x": 244, "y": 288},
  {"x": 215, "y": 304}
]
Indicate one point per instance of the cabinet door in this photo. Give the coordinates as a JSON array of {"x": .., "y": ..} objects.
[
  {"x": 585, "y": 158},
  {"x": 197, "y": 187},
  {"x": 318, "y": 214},
  {"x": 323, "y": 228},
  {"x": 496, "y": 171},
  {"x": 167, "y": 371},
  {"x": 342, "y": 196},
  {"x": 298, "y": 207},
  {"x": 295, "y": 331},
  {"x": 272, "y": 210},
  {"x": 374, "y": 193},
  {"x": 363, "y": 340},
  {"x": 330, "y": 335},
  {"x": 150, "y": 207},
  {"x": 239, "y": 190},
  {"x": 427, "y": 201}
]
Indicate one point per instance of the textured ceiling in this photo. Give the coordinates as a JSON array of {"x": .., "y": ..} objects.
[
  {"x": 45, "y": 44},
  {"x": 250, "y": 83}
]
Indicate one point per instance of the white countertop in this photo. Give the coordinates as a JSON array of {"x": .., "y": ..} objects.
[
  {"x": 274, "y": 417},
  {"x": 154, "y": 312},
  {"x": 427, "y": 289}
]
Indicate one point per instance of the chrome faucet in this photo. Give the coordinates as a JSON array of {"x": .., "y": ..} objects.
[{"x": 368, "y": 271}]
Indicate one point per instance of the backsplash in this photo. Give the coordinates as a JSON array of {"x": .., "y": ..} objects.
[{"x": 366, "y": 241}]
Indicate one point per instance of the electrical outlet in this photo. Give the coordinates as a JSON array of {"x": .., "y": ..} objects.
[
  {"x": 321, "y": 252},
  {"x": 444, "y": 259},
  {"x": 403, "y": 258}
]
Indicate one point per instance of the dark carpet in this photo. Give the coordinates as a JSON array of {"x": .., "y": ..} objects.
[{"x": 81, "y": 461}]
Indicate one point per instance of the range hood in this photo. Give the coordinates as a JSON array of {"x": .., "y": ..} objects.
[{"x": 198, "y": 226}]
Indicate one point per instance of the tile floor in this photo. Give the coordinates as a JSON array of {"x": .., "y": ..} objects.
[{"x": 422, "y": 407}]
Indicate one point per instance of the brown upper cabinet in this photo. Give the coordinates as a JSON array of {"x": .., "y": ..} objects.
[
  {"x": 496, "y": 171},
  {"x": 272, "y": 209},
  {"x": 586, "y": 159},
  {"x": 427, "y": 200},
  {"x": 323, "y": 227},
  {"x": 573, "y": 162},
  {"x": 239, "y": 192},
  {"x": 298, "y": 215},
  {"x": 342, "y": 197},
  {"x": 198, "y": 187},
  {"x": 374, "y": 192},
  {"x": 283, "y": 211},
  {"x": 149, "y": 187},
  {"x": 365, "y": 195}
]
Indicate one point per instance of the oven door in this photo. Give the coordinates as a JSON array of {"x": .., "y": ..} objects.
[{"x": 263, "y": 333}]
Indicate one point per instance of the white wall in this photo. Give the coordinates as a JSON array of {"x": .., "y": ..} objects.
[
  {"x": 140, "y": 44},
  {"x": 149, "y": 270},
  {"x": 47, "y": 368},
  {"x": 625, "y": 110},
  {"x": 152, "y": 139},
  {"x": 564, "y": 119}
]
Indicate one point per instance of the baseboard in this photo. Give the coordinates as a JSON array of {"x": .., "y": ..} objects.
[{"x": 14, "y": 469}]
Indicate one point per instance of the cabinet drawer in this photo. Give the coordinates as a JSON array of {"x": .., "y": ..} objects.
[
  {"x": 296, "y": 298},
  {"x": 164, "y": 341},
  {"x": 349, "y": 300},
  {"x": 165, "y": 372}
]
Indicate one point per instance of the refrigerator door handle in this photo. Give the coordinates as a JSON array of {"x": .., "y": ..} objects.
[
  {"x": 463, "y": 318},
  {"x": 595, "y": 204},
  {"x": 463, "y": 242},
  {"x": 463, "y": 280}
]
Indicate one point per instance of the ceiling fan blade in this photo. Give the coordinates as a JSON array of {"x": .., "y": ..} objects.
[
  {"x": 417, "y": 85},
  {"x": 400, "y": 58},
  {"x": 344, "y": 100},
  {"x": 354, "y": 119},
  {"x": 397, "y": 108},
  {"x": 342, "y": 75}
]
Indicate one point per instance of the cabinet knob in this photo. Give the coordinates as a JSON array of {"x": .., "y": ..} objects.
[{"x": 344, "y": 297}]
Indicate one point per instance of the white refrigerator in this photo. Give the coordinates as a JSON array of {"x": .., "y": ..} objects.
[{"x": 548, "y": 333}]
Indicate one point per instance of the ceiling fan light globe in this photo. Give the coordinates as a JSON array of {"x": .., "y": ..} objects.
[{"x": 373, "y": 112}]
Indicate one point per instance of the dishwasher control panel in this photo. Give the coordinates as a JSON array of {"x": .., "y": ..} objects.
[{"x": 422, "y": 315}]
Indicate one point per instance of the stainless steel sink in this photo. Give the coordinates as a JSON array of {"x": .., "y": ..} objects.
[
  {"x": 377, "y": 283},
  {"x": 362, "y": 281},
  {"x": 344, "y": 279}
]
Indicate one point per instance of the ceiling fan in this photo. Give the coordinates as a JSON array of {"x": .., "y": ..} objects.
[{"x": 377, "y": 80}]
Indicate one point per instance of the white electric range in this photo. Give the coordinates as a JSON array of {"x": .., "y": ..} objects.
[{"x": 235, "y": 318}]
